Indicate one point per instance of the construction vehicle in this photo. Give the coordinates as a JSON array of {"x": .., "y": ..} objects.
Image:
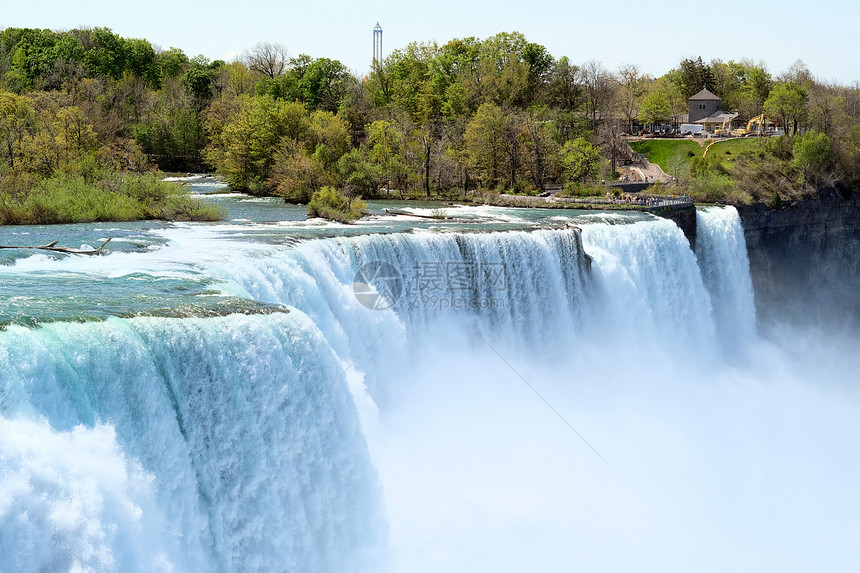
[
  {"x": 744, "y": 131},
  {"x": 722, "y": 130}
]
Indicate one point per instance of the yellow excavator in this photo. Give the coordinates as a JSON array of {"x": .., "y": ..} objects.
[
  {"x": 722, "y": 130},
  {"x": 743, "y": 131}
]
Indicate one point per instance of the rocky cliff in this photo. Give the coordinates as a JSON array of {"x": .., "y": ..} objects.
[{"x": 805, "y": 260}]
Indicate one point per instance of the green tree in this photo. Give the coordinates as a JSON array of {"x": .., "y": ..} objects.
[
  {"x": 295, "y": 175},
  {"x": 385, "y": 151},
  {"x": 814, "y": 155},
  {"x": 787, "y": 101},
  {"x": 655, "y": 108},
  {"x": 16, "y": 121},
  {"x": 564, "y": 90},
  {"x": 243, "y": 145},
  {"x": 171, "y": 63},
  {"x": 358, "y": 172},
  {"x": 485, "y": 139},
  {"x": 695, "y": 76},
  {"x": 105, "y": 54},
  {"x": 323, "y": 84},
  {"x": 580, "y": 160}
]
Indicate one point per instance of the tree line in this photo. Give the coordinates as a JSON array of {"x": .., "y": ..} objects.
[{"x": 499, "y": 113}]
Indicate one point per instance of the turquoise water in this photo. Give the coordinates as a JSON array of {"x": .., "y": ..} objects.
[
  {"x": 141, "y": 274},
  {"x": 223, "y": 397}
]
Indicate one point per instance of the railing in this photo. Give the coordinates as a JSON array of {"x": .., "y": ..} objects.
[{"x": 648, "y": 202}]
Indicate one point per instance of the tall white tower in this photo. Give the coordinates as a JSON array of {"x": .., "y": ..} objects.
[{"x": 377, "y": 44}]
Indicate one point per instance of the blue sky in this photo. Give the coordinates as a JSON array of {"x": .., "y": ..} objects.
[{"x": 654, "y": 35}]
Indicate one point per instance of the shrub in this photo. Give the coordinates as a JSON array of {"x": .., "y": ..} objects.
[
  {"x": 710, "y": 187},
  {"x": 775, "y": 201},
  {"x": 64, "y": 198},
  {"x": 331, "y": 204}
]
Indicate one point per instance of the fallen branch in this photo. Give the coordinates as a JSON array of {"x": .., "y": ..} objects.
[
  {"x": 54, "y": 248},
  {"x": 410, "y": 214}
]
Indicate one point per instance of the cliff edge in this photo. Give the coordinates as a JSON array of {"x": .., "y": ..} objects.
[{"x": 805, "y": 260}]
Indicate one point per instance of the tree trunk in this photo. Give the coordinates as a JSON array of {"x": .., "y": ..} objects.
[{"x": 427, "y": 148}]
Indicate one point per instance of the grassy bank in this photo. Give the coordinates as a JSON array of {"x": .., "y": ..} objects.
[
  {"x": 664, "y": 152},
  {"x": 102, "y": 196}
]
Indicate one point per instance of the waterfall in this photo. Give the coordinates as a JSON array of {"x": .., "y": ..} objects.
[
  {"x": 227, "y": 444},
  {"x": 544, "y": 400},
  {"x": 725, "y": 267}
]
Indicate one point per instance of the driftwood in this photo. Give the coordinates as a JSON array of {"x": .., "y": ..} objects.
[
  {"x": 54, "y": 248},
  {"x": 409, "y": 214}
]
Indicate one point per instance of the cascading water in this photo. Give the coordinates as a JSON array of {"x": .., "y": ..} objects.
[
  {"x": 528, "y": 401},
  {"x": 229, "y": 443}
]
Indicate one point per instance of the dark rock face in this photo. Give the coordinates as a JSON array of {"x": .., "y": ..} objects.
[
  {"x": 805, "y": 261},
  {"x": 684, "y": 216}
]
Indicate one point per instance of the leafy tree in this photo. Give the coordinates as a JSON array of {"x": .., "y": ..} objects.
[
  {"x": 243, "y": 147},
  {"x": 695, "y": 76},
  {"x": 502, "y": 73},
  {"x": 323, "y": 84},
  {"x": 813, "y": 154},
  {"x": 580, "y": 160},
  {"x": 358, "y": 172},
  {"x": 295, "y": 175},
  {"x": 540, "y": 64},
  {"x": 485, "y": 139},
  {"x": 105, "y": 54},
  {"x": 787, "y": 101},
  {"x": 564, "y": 90},
  {"x": 655, "y": 108},
  {"x": 171, "y": 63},
  {"x": 327, "y": 137},
  {"x": 385, "y": 151},
  {"x": 238, "y": 80},
  {"x": 141, "y": 62},
  {"x": 61, "y": 137},
  {"x": 16, "y": 121}
]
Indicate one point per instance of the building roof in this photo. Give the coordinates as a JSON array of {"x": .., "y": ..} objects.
[
  {"x": 705, "y": 95},
  {"x": 718, "y": 117}
]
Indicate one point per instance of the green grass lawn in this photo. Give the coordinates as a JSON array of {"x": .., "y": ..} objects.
[
  {"x": 661, "y": 151},
  {"x": 729, "y": 149}
]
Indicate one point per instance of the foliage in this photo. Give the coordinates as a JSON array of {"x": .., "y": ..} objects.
[
  {"x": 580, "y": 190},
  {"x": 329, "y": 203},
  {"x": 580, "y": 160},
  {"x": 498, "y": 113},
  {"x": 813, "y": 154},
  {"x": 655, "y": 108},
  {"x": 787, "y": 102},
  {"x": 711, "y": 187},
  {"x": 99, "y": 196},
  {"x": 486, "y": 141}
]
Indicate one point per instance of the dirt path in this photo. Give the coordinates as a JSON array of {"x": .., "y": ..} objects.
[{"x": 645, "y": 172}]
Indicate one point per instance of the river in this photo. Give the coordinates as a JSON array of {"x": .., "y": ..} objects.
[{"x": 487, "y": 390}]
